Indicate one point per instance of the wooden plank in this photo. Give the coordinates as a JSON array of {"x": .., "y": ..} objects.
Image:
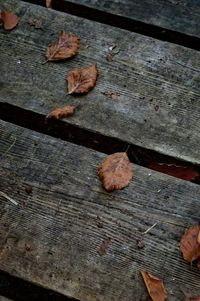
[
  {"x": 158, "y": 82},
  {"x": 52, "y": 236},
  {"x": 177, "y": 15}
]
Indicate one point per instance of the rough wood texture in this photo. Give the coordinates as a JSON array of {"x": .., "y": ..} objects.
[
  {"x": 52, "y": 236},
  {"x": 158, "y": 82},
  {"x": 178, "y": 15}
]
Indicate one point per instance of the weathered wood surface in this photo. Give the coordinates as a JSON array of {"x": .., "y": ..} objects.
[
  {"x": 51, "y": 237},
  {"x": 177, "y": 15},
  {"x": 158, "y": 107}
]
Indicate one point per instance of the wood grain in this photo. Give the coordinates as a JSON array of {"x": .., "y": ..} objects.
[
  {"x": 177, "y": 15},
  {"x": 53, "y": 235},
  {"x": 158, "y": 82}
]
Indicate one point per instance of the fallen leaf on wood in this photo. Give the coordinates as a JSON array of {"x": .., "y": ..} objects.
[
  {"x": 115, "y": 171},
  {"x": 102, "y": 249},
  {"x": 60, "y": 113},
  {"x": 36, "y": 23},
  {"x": 189, "y": 245},
  {"x": 182, "y": 172},
  {"x": 65, "y": 47},
  {"x": 48, "y": 3},
  {"x": 197, "y": 298},
  {"x": 154, "y": 286},
  {"x": 198, "y": 238},
  {"x": 9, "y": 19},
  {"x": 82, "y": 80}
]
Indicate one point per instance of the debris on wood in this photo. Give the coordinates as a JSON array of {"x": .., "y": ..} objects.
[
  {"x": 102, "y": 249},
  {"x": 111, "y": 94},
  {"x": 35, "y": 23},
  {"x": 140, "y": 244},
  {"x": 29, "y": 189},
  {"x": 8, "y": 198}
]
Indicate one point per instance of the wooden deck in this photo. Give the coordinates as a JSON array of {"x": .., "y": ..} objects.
[{"x": 49, "y": 239}]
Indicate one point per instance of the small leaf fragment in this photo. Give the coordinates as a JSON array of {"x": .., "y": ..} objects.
[
  {"x": 9, "y": 19},
  {"x": 60, "y": 113},
  {"x": 189, "y": 244},
  {"x": 48, "y": 3},
  {"x": 154, "y": 286},
  {"x": 198, "y": 237},
  {"x": 82, "y": 80},
  {"x": 181, "y": 172},
  {"x": 115, "y": 171},
  {"x": 66, "y": 46}
]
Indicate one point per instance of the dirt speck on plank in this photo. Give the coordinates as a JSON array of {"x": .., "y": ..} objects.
[{"x": 102, "y": 249}]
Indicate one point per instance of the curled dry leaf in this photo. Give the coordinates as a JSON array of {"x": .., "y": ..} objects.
[
  {"x": 65, "y": 47},
  {"x": 82, "y": 80},
  {"x": 154, "y": 286},
  {"x": 60, "y": 113},
  {"x": 9, "y": 19},
  {"x": 189, "y": 244},
  {"x": 115, "y": 171}
]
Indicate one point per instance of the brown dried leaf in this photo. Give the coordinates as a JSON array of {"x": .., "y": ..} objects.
[
  {"x": 198, "y": 238},
  {"x": 65, "y": 47},
  {"x": 197, "y": 298},
  {"x": 82, "y": 80},
  {"x": 60, "y": 113},
  {"x": 154, "y": 286},
  {"x": 48, "y": 3},
  {"x": 115, "y": 171},
  {"x": 9, "y": 19},
  {"x": 189, "y": 245}
]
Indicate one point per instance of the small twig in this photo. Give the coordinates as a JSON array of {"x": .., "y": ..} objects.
[
  {"x": 8, "y": 198},
  {"x": 149, "y": 229},
  {"x": 126, "y": 151},
  {"x": 13, "y": 143}
]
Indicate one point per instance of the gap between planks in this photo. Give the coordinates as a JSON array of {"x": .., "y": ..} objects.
[
  {"x": 123, "y": 22},
  {"x": 18, "y": 289},
  {"x": 80, "y": 136}
]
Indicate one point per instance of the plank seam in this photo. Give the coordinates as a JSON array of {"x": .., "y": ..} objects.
[
  {"x": 159, "y": 33},
  {"x": 17, "y": 289},
  {"x": 80, "y": 136}
]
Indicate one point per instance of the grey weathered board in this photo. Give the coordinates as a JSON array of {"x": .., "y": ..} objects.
[
  {"x": 158, "y": 107},
  {"x": 177, "y": 15},
  {"x": 51, "y": 237}
]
